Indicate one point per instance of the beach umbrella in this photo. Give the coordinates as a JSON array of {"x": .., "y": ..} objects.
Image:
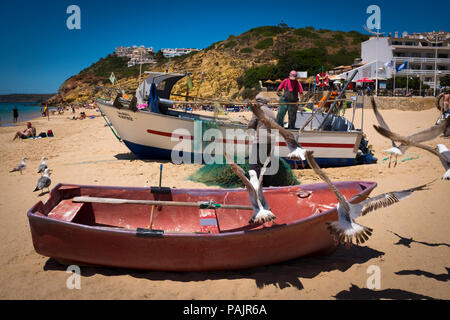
[
  {"x": 365, "y": 79},
  {"x": 153, "y": 99}
]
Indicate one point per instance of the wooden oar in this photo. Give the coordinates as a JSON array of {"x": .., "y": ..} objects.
[
  {"x": 162, "y": 203},
  {"x": 153, "y": 206}
]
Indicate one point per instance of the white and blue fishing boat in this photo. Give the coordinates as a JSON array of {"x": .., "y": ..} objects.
[{"x": 155, "y": 132}]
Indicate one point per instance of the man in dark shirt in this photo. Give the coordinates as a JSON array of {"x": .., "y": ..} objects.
[{"x": 15, "y": 114}]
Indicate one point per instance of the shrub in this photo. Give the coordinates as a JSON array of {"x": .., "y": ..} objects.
[
  {"x": 246, "y": 50},
  {"x": 213, "y": 46},
  {"x": 253, "y": 75},
  {"x": 307, "y": 33},
  {"x": 264, "y": 44},
  {"x": 267, "y": 31},
  {"x": 302, "y": 60},
  {"x": 358, "y": 37},
  {"x": 249, "y": 93},
  {"x": 445, "y": 80},
  {"x": 338, "y": 36},
  {"x": 245, "y": 37},
  {"x": 343, "y": 57},
  {"x": 230, "y": 44}
]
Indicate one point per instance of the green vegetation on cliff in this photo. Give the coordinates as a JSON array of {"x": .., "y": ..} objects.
[
  {"x": 232, "y": 67},
  {"x": 101, "y": 70},
  {"x": 310, "y": 60}
]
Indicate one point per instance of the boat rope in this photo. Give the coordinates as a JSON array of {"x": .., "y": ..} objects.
[{"x": 109, "y": 125}]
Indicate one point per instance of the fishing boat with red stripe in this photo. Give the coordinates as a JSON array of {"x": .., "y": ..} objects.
[{"x": 161, "y": 132}]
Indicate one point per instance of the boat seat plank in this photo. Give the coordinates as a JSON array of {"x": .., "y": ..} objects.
[
  {"x": 208, "y": 221},
  {"x": 66, "y": 210}
]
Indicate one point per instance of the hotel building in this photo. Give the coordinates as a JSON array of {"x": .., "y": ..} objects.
[{"x": 428, "y": 54}]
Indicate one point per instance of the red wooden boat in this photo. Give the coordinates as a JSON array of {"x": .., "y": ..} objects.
[{"x": 185, "y": 238}]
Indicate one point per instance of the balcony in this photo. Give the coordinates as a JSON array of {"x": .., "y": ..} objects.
[
  {"x": 422, "y": 60},
  {"x": 420, "y": 47},
  {"x": 406, "y": 72}
]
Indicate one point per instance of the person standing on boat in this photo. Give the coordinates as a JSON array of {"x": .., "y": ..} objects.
[
  {"x": 262, "y": 139},
  {"x": 292, "y": 90},
  {"x": 15, "y": 114}
]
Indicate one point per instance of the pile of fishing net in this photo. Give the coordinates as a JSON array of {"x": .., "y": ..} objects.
[{"x": 222, "y": 175}]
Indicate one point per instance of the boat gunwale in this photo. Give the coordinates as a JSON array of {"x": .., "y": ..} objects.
[
  {"x": 299, "y": 222},
  {"x": 229, "y": 124}
]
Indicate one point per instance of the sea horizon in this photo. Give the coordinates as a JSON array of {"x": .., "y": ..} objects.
[{"x": 27, "y": 111}]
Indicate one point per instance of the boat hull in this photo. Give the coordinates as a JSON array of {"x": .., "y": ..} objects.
[
  {"x": 157, "y": 136},
  {"x": 77, "y": 240}
]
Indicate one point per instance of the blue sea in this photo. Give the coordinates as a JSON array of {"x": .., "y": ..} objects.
[{"x": 27, "y": 111}]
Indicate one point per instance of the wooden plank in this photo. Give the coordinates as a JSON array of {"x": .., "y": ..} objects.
[
  {"x": 157, "y": 202},
  {"x": 66, "y": 210}
]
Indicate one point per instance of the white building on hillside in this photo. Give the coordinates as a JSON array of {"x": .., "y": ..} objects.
[
  {"x": 428, "y": 54},
  {"x": 170, "y": 53}
]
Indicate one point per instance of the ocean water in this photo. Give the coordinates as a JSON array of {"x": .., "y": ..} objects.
[{"x": 27, "y": 111}]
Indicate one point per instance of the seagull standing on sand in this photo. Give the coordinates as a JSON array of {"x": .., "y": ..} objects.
[
  {"x": 296, "y": 152},
  {"x": 442, "y": 152},
  {"x": 395, "y": 149},
  {"x": 44, "y": 181},
  {"x": 20, "y": 167},
  {"x": 345, "y": 229},
  {"x": 261, "y": 210},
  {"x": 421, "y": 136},
  {"x": 42, "y": 166}
]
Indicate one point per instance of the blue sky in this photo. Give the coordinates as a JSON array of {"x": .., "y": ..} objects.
[{"x": 38, "y": 52}]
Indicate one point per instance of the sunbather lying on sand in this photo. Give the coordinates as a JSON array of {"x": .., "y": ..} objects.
[{"x": 28, "y": 132}]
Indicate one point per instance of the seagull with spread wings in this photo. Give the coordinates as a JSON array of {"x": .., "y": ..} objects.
[
  {"x": 345, "y": 229},
  {"x": 442, "y": 153},
  {"x": 296, "y": 152},
  {"x": 22, "y": 165},
  {"x": 261, "y": 210},
  {"x": 421, "y": 136}
]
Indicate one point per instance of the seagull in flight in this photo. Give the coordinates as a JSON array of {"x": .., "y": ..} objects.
[
  {"x": 261, "y": 210},
  {"x": 296, "y": 152},
  {"x": 421, "y": 136},
  {"x": 42, "y": 166},
  {"x": 442, "y": 152},
  {"x": 44, "y": 181},
  {"x": 345, "y": 229},
  {"x": 22, "y": 165}
]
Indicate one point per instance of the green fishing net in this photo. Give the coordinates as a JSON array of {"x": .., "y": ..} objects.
[{"x": 222, "y": 175}]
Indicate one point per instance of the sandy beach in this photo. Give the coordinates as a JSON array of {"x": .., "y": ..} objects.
[{"x": 410, "y": 243}]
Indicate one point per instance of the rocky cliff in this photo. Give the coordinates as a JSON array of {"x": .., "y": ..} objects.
[{"x": 225, "y": 63}]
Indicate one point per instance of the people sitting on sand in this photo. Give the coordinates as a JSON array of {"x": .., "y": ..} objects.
[
  {"x": 30, "y": 131},
  {"x": 81, "y": 117}
]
